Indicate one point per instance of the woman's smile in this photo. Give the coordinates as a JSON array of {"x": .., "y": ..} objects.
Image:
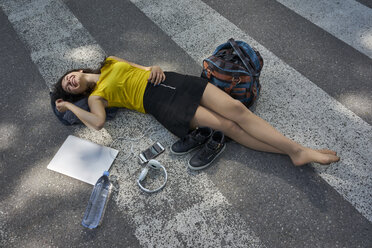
[{"x": 71, "y": 83}]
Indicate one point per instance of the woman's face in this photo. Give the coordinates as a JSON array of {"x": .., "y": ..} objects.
[{"x": 74, "y": 83}]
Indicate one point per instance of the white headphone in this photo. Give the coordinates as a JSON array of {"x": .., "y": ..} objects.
[{"x": 154, "y": 164}]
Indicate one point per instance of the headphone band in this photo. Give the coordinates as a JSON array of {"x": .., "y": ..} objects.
[{"x": 152, "y": 164}]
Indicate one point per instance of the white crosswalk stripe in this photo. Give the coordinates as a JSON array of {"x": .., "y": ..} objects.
[
  {"x": 347, "y": 20},
  {"x": 61, "y": 49},
  {"x": 197, "y": 28},
  {"x": 57, "y": 40}
]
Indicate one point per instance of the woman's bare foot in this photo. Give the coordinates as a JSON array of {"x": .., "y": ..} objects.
[
  {"x": 306, "y": 155},
  {"x": 326, "y": 151}
]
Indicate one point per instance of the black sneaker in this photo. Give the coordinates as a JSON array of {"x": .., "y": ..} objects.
[
  {"x": 204, "y": 157},
  {"x": 191, "y": 141}
]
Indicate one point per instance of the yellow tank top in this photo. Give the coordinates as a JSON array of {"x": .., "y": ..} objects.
[{"x": 122, "y": 85}]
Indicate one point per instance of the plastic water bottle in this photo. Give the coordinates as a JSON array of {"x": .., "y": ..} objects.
[{"x": 97, "y": 202}]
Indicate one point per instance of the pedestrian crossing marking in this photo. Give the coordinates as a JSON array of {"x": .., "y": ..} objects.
[
  {"x": 298, "y": 100},
  {"x": 347, "y": 20}
]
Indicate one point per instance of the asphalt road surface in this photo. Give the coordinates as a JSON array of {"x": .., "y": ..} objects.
[{"x": 316, "y": 89}]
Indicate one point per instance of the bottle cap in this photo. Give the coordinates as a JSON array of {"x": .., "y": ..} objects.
[{"x": 106, "y": 173}]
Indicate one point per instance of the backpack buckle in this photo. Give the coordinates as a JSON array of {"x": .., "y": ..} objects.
[
  {"x": 236, "y": 80},
  {"x": 209, "y": 72}
]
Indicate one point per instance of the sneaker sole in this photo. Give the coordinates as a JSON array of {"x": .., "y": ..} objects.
[
  {"x": 205, "y": 166},
  {"x": 182, "y": 153}
]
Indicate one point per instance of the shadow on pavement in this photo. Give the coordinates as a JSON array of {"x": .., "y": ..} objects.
[
  {"x": 40, "y": 207},
  {"x": 286, "y": 205}
]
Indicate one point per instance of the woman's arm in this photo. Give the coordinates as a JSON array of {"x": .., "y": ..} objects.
[
  {"x": 156, "y": 76},
  {"x": 94, "y": 119}
]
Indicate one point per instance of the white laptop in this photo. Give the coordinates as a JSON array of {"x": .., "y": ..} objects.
[{"x": 82, "y": 159}]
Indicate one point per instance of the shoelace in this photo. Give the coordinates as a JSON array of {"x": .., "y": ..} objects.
[
  {"x": 188, "y": 139},
  {"x": 212, "y": 145},
  {"x": 207, "y": 149},
  {"x": 184, "y": 139}
]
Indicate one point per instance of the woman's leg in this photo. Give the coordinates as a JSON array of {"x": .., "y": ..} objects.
[
  {"x": 221, "y": 103},
  {"x": 208, "y": 118}
]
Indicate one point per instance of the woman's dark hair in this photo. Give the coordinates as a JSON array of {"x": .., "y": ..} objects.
[{"x": 58, "y": 92}]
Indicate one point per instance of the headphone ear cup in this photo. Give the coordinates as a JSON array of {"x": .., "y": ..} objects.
[
  {"x": 154, "y": 164},
  {"x": 143, "y": 174}
]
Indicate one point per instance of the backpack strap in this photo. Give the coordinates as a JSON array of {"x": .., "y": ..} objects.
[{"x": 244, "y": 59}]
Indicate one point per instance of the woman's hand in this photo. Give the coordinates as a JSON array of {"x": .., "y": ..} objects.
[
  {"x": 157, "y": 75},
  {"x": 61, "y": 105},
  {"x": 95, "y": 119}
]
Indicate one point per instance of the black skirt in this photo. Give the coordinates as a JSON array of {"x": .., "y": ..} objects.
[{"x": 174, "y": 102}]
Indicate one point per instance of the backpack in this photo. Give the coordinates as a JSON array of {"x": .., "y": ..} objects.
[
  {"x": 235, "y": 68},
  {"x": 69, "y": 118}
]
